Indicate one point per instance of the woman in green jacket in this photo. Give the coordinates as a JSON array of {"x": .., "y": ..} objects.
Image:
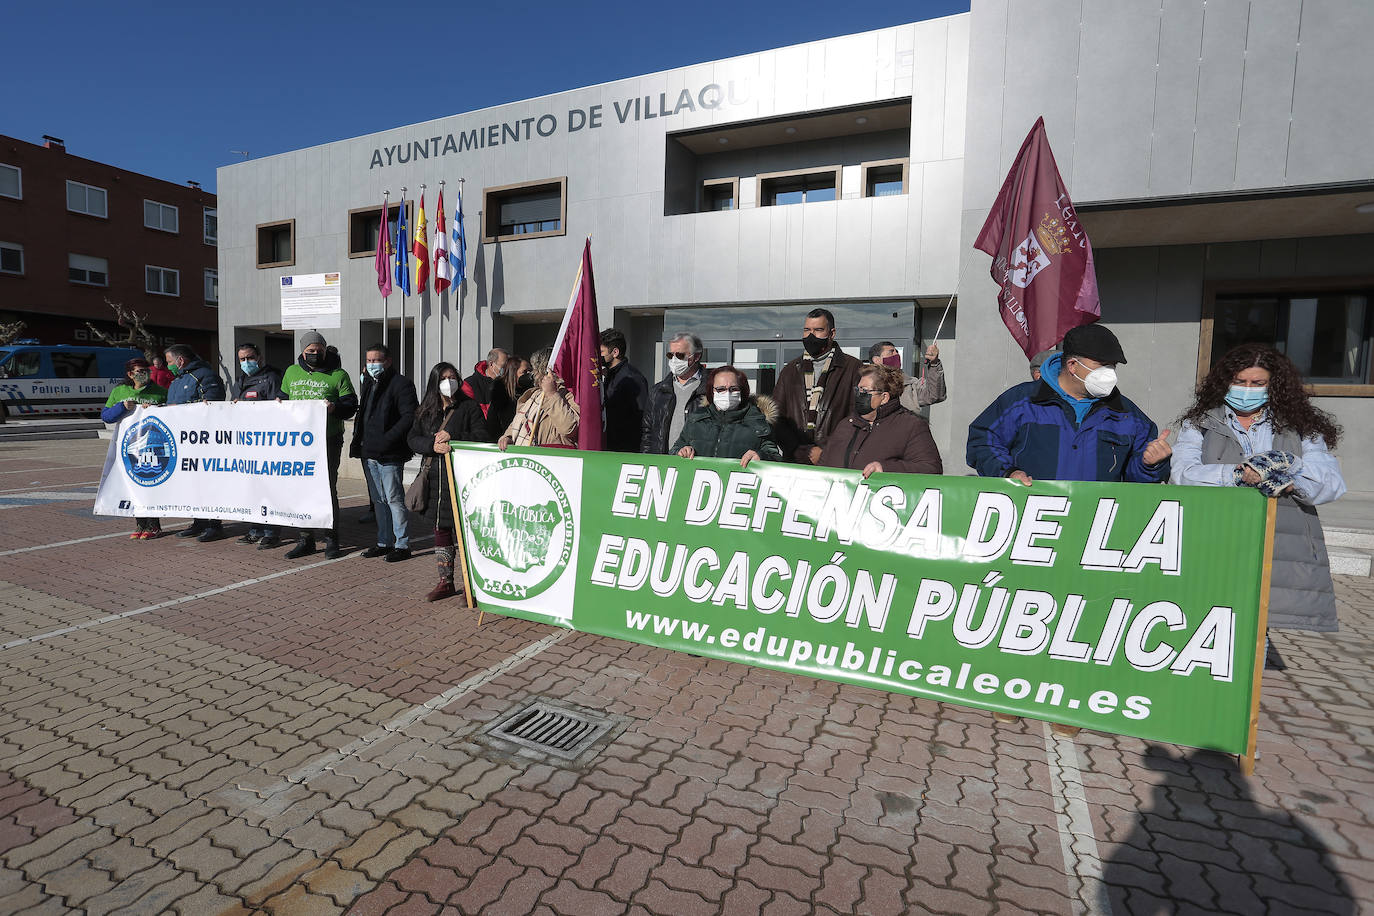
[
  {"x": 136, "y": 389},
  {"x": 731, "y": 424}
]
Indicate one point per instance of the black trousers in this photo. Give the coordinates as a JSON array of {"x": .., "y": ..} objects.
[{"x": 334, "y": 451}]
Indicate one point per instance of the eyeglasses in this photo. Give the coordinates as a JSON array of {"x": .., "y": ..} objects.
[
  {"x": 860, "y": 389},
  {"x": 680, "y": 355},
  {"x": 735, "y": 390}
]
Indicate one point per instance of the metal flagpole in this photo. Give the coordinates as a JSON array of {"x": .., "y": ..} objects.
[
  {"x": 404, "y": 241},
  {"x": 921, "y": 357},
  {"x": 439, "y": 324},
  {"x": 386, "y": 309},
  {"x": 420, "y": 309}
]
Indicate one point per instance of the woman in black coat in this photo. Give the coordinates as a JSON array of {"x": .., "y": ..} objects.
[{"x": 445, "y": 415}]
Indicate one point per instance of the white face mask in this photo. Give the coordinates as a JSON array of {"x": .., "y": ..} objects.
[
  {"x": 677, "y": 365},
  {"x": 726, "y": 400},
  {"x": 1099, "y": 382},
  {"x": 448, "y": 387}
]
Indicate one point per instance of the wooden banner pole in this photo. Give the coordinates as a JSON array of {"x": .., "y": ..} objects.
[
  {"x": 1247, "y": 760},
  {"x": 458, "y": 537}
]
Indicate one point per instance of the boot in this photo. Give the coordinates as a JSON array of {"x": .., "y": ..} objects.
[
  {"x": 305, "y": 546},
  {"x": 444, "y": 556},
  {"x": 331, "y": 548}
]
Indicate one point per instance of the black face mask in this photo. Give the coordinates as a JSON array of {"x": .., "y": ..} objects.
[
  {"x": 313, "y": 359},
  {"x": 863, "y": 402},
  {"x": 525, "y": 381},
  {"x": 815, "y": 346}
]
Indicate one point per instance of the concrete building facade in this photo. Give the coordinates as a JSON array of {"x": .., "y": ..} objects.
[{"x": 1222, "y": 179}]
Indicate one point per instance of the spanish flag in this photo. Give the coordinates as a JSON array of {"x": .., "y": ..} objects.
[{"x": 421, "y": 250}]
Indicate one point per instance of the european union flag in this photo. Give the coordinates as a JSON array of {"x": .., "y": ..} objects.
[{"x": 402, "y": 252}]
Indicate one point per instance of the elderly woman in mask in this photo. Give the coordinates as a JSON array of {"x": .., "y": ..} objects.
[
  {"x": 728, "y": 423},
  {"x": 545, "y": 415},
  {"x": 881, "y": 435}
]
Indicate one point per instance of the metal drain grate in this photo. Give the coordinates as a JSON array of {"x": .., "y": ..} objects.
[{"x": 553, "y": 730}]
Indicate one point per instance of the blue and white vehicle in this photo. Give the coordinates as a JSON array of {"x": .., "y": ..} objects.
[{"x": 61, "y": 380}]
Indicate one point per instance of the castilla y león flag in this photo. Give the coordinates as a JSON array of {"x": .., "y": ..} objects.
[
  {"x": 1040, "y": 252},
  {"x": 577, "y": 354}
]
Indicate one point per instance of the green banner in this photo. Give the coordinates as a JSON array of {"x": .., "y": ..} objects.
[{"x": 1126, "y": 608}]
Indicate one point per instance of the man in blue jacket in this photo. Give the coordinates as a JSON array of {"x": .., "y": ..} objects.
[
  {"x": 1072, "y": 424},
  {"x": 193, "y": 380}
]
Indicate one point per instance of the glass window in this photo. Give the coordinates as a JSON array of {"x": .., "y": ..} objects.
[
  {"x": 277, "y": 244},
  {"x": 83, "y": 268},
  {"x": 11, "y": 258},
  {"x": 1327, "y": 334},
  {"x": 73, "y": 363},
  {"x": 528, "y": 209},
  {"x": 717, "y": 195},
  {"x": 364, "y": 224},
  {"x": 160, "y": 216},
  {"x": 85, "y": 198},
  {"x": 21, "y": 365},
  {"x": 11, "y": 182},
  {"x": 797, "y": 189},
  {"x": 162, "y": 281},
  {"x": 884, "y": 181},
  {"x": 211, "y": 287},
  {"x": 211, "y": 226}
]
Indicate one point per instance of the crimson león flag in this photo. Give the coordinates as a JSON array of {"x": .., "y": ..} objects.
[
  {"x": 577, "y": 354},
  {"x": 1041, "y": 256}
]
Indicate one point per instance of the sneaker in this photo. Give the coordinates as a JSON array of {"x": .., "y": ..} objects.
[
  {"x": 212, "y": 533},
  {"x": 398, "y": 555},
  {"x": 304, "y": 548},
  {"x": 269, "y": 542},
  {"x": 331, "y": 549},
  {"x": 378, "y": 551},
  {"x": 1065, "y": 731},
  {"x": 154, "y": 533},
  {"x": 250, "y": 538},
  {"x": 197, "y": 527},
  {"x": 1007, "y": 717},
  {"x": 136, "y": 536}
]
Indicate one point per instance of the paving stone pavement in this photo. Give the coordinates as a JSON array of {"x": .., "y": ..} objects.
[{"x": 301, "y": 740}]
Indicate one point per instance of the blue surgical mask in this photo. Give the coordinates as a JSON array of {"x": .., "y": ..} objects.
[
  {"x": 375, "y": 369},
  {"x": 249, "y": 366},
  {"x": 1244, "y": 399}
]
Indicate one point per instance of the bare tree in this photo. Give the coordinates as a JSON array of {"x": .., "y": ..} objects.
[
  {"x": 10, "y": 332},
  {"x": 135, "y": 334}
]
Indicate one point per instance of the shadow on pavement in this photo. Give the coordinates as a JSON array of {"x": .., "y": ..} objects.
[{"x": 1201, "y": 840}]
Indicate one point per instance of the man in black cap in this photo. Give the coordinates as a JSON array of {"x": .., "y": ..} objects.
[{"x": 1072, "y": 424}]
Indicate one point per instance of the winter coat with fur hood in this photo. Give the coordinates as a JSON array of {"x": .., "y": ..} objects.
[{"x": 715, "y": 433}]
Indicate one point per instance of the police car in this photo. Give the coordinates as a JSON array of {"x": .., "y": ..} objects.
[{"x": 60, "y": 380}]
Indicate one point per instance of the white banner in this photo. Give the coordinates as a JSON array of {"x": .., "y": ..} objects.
[
  {"x": 263, "y": 463},
  {"x": 520, "y": 513},
  {"x": 311, "y": 301}
]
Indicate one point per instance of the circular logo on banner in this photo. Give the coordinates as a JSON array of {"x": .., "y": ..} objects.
[
  {"x": 150, "y": 452},
  {"x": 520, "y": 523}
]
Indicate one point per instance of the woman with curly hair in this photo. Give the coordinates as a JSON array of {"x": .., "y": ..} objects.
[{"x": 1252, "y": 425}]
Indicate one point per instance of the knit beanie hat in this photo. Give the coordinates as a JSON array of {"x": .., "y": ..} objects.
[{"x": 311, "y": 337}]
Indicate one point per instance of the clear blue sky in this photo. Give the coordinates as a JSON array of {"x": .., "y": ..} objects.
[{"x": 169, "y": 89}]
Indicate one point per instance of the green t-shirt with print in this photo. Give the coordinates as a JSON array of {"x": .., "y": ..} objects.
[
  {"x": 148, "y": 394},
  {"x": 299, "y": 384}
]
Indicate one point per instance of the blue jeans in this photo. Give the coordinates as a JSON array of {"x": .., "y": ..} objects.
[{"x": 389, "y": 503}]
